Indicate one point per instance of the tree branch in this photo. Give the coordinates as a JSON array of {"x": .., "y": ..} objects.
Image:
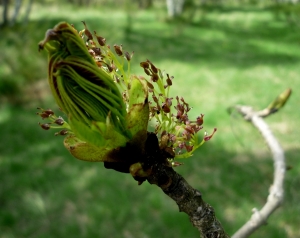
[
  {"x": 276, "y": 191},
  {"x": 188, "y": 199}
]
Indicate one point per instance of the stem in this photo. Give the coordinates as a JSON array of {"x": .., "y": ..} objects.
[{"x": 188, "y": 199}]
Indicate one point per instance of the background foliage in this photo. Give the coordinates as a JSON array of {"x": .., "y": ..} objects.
[{"x": 220, "y": 55}]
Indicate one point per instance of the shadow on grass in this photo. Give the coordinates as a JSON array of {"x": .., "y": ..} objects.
[
  {"x": 45, "y": 192},
  {"x": 238, "y": 48},
  {"x": 213, "y": 42}
]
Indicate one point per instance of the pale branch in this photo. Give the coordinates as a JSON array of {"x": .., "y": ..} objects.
[
  {"x": 188, "y": 199},
  {"x": 276, "y": 192}
]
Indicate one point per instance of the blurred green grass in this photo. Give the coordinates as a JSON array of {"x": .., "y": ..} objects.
[{"x": 228, "y": 57}]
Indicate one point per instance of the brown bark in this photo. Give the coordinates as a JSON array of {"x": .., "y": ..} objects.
[
  {"x": 157, "y": 170},
  {"x": 188, "y": 199}
]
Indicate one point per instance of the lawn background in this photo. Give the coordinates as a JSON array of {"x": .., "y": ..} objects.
[{"x": 221, "y": 58}]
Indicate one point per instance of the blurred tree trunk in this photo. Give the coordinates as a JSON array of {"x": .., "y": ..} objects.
[
  {"x": 144, "y": 4},
  {"x": 5, "y": 12},
  {"x": 27, "y": 12},
  {"x": 175, "y": 7},
  {"x": 6, "y": 20},
  {"x": 18, "y": 4}
]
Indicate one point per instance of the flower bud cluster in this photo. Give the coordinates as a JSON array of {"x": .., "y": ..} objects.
[
  {"x": 174, "y": 128},
  {"x": 54, "y": 122},
  {"x": 173, "y": 122},
  {"x": 115, "y": 62},
  {"x": 177, "y": 134}
]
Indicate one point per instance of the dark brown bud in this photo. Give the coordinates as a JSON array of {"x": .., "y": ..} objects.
[
  {"x": 59, "y": 121},
  {"x": 62, "y": 132},
  {"x": 199, "y": 120},
  {"x": 144, "y": 65},
  {"x": 49, "y": 112},
  {"x": 45, "y": 126},
  {"x": 118, "y": 50},
  {"x": 97, "y": 51},
  {"x": 169, "y": 80},
  {"x": 101, "y": 40},
  {"x": 128, "y": 56},
  {"x": 147, "y": 71},
  {"x": 169, "y": 101},
  {"x": 87, "y": 32},
  {"x": 153, "y": 68},
  {"x": 117, "y": 79},
  {"x": 155, "y": 98},
  {"x": 43, "y": 115},
  {"x": 165, "y": 108},
  {"x": 150, "y": 85},
  {"x": 154, "y": 77}
]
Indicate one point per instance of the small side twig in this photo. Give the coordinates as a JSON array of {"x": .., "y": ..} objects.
[{"x": 276, "y": 192}]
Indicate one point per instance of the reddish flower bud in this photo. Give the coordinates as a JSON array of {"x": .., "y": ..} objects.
[
  {"x": 199, "y": 120},
  {"x": 189, "y": 129},
  {"x": 165, "y": 108},
  {"x": 207, "y": 138},
  {"x": 189, "y": 148}
]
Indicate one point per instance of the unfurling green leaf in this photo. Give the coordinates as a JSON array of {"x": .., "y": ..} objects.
[{"x": 92, "y": 101}]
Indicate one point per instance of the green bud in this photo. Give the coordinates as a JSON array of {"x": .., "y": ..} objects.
[{"x": 87, "y": 94}]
